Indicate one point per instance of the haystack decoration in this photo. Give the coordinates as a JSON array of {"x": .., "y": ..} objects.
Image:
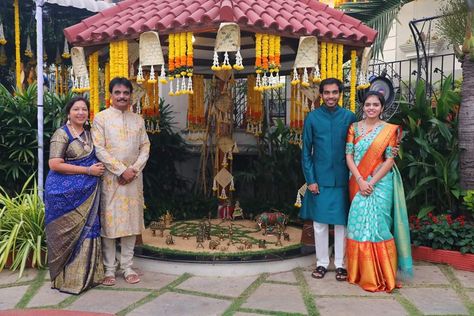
[
  {"x": 79, "y": 74},
  {"x": 227, "y": 40}
]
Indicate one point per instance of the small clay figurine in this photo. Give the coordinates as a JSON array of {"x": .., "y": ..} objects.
[
  {"x": 248, "y": 244},
  {"x": 262, "y": 243},
  {"x": 213, "y": 244},
  {"x": 286, "y": 236},
  {"x": 154, "y": 226},
  {"x": 238, "y": 211},
  {"x": 167, "y": 218},
  {"x": 169, "y": 240}
]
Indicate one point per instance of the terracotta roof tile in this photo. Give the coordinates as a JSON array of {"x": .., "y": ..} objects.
[{"x": 289, "y": 18}]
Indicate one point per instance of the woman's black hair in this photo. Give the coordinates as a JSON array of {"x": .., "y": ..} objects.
[
  {"x": 379, "y": 95},
  {"x": 70, "y": 104}
]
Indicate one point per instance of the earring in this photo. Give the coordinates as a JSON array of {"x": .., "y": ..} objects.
[
  {"x": 364, "y": 116},
  {"x": 381, "y": 116},
  {"x": 68, "y": 122}
]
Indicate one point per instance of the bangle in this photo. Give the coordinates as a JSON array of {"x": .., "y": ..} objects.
[
  {"x": 89, "y": 170},
  {"x": 358, "y": 178}
]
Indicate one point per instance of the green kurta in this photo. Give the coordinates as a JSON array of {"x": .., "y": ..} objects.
[{"x": 324, "y": 162}]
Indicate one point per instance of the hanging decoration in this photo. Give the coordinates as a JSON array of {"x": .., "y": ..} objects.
[
  {"x": 106, "y": 84},
  {"x": 180, "y": 63},
  {"x": 267, "y": 62},
  {"x": 3, "y": 40},
  {"x": 364, "y": 83},
  {"x": 298, "y": 109},
  {"x": 227, "y": 40},
  {"x": 66, "y": 54},
  {"x": 254, "y": 112},
  {"x": 28, "y": 50},
  {"x": 17, "y": 45},
  {"x": 94, "y": 84},
  {"x": 118, "y": 59},
  {"x": 79, "y": 74},
  {"x": 353, "y": 82},
  {"x": 223, "y": 182},
  {"x": 150, "y": 54},
  {"x": 196, "y": 111},
  {"x": 307, "y": 60},
  {"x": 150, "y": 102}
]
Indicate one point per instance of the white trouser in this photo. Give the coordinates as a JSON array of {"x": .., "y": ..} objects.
[
  {"x": 127, "y": 245},
  {"x": 321, "y": 242}
]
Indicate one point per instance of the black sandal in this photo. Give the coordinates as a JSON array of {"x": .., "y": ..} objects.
[
  {"x": 341, "y": 274},
  {"x": 319, "y": 272}
]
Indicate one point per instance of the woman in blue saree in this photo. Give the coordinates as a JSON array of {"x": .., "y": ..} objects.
[
  {"x": 72, "y": 204},
  {"x": 378, "y": 238}
]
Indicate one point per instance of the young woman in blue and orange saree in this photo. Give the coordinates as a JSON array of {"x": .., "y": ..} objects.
[
  {"x": 72, "y": 205},
  {"x": 378, "y": 237}
]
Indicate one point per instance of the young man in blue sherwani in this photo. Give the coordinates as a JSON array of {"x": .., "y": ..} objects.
[{"x": 324, "y": 166}]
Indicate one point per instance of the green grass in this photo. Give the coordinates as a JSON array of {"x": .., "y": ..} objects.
[
  {"x": 245, "y": 295},
  {"x": 308, "y": 297},
  {"x": 154, "y": 294},
  {"x": 36, "y": 284}
]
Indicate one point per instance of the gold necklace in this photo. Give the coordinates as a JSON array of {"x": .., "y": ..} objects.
[
  {"x": 364, "y": 125},
  {"x": 85, "y": 143}
]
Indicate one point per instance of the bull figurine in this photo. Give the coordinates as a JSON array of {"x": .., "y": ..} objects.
[{"x": 271, "y": 222}]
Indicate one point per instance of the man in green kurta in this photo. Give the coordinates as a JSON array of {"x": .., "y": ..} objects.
[{"x": 324, "y": 166}]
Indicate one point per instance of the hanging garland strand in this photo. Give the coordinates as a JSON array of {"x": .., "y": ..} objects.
[
  {"x": 353, "y": 80},
  {"x": 17, "y": 45},
  {"x": 94, "y": 84}
]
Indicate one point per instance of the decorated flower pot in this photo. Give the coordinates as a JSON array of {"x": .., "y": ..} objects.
[{"x": 454, "y": 258}]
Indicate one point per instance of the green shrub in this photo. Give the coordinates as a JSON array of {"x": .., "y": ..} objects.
[{"x": 22, "y": 236}]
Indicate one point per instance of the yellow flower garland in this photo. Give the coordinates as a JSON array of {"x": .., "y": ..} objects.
[
  {"x": 353, "y": 80},
  {"x": 182, "y": 45},
  {"x": 265, "y": 50},
  {"x": 119, "y": 59},
  {"x": 94, "y": 84},
  {"x": 329, "y": 60},
  {"x": 258, "y": 52},
  {"x": 17, "y": 45},
  {"x": 106, "y": 84},
  {"x": 334, "y": 60},
  {"x": 340, "y": 61},
  {"x": 323, "y": 61}
]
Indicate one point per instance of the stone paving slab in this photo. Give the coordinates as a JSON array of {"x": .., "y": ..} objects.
[
  {"x": 10, "y": 277},
  {"x": 283, "y": 277},
  {"x": 465, "y": 277},
  {"x": 46, "y": 296},
  {"x": 106, "y": 301},
  {"x": 330, "y": 286},
  {"x": 337, "y": 306},
  {"x": 435, "y": 301},
  {"x": 428, "y": 275},
  {"x": 177, "y": 304},
  {"x": 218, "y": 285},
  {"x": 149, "y": 280},
  {"x": 277, "y": 297},
  {"x": 10, "y": 296},
  {"x": 246, "y": 314}
]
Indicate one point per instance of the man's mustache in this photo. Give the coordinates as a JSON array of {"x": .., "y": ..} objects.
[{"x": 121, "y": 99}]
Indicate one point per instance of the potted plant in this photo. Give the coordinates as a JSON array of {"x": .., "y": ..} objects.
[
  {"x": 22, "y": 236},
  {"x": 443, "y": 239}
]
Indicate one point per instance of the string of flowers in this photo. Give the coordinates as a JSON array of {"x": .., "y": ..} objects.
[
  {"x": 94, "y": 84},
  {"x": 106, "y": 84},
  {"x": 329, "y": 60},
  {"x": 340, "y": 62},
  {"x": 323, "y": 60},
  {"x": 254, "y": 111},
  {"x": 334, "y": 60},
  {"x": 17, "y": 45},
  {"x": 353, "y": 80},
  {"x": 119, "y": 59}
]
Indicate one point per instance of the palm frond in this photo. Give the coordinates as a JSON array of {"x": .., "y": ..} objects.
[{"x": 379, "y": 15}]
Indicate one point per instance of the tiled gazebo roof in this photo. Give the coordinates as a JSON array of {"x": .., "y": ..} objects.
[{"x": 288, "y": 18}]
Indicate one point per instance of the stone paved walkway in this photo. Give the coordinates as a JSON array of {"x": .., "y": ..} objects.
[{"x": 436, "y": 290}]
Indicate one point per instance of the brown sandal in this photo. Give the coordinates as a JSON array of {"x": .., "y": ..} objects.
[
  {"x": 341, "y": 274},
  {"x": 319, "y": 272},
  {"x": 109, "y": 281}
]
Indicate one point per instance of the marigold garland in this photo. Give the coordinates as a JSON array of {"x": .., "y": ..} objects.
[
  {"x": 171, "y": 54},
  {"x": 119, "y": 59},
  {"x": 323, "y": 60},
  {"x": 329, "y": 59},
  {"x": 94, "y": 84},
  {"x": 258, "y": 52},
  {"x": 334, "y": 60},
  {"x": 106, "y": 84},
  {"x": 254, "y": 112},
  {"x": 353, "y": 80},
  {"x": 17, "y": 45}
]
